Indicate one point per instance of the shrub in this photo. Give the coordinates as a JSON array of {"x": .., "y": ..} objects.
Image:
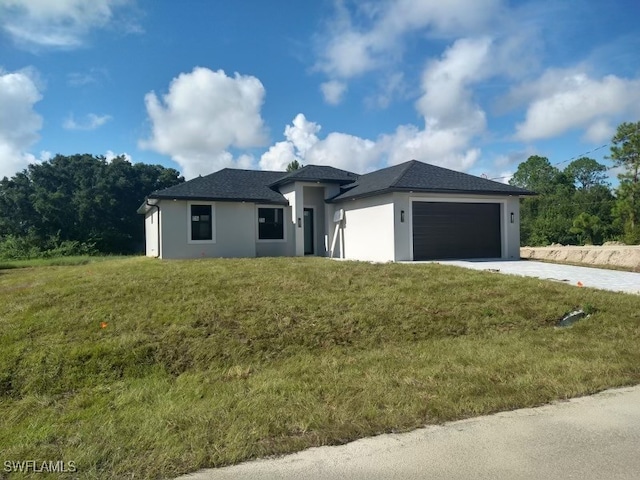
[{"x": 29, "y": 247}]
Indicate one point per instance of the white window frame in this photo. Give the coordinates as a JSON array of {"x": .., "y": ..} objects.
[
  {"x": 213, "y": 222},
  {"x": 284, "y": 225}
]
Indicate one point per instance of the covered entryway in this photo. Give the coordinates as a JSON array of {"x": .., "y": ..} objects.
[{"x": 448, "y": 230}]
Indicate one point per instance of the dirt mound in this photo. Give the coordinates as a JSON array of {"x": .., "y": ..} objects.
[{"x": 616, "y": 255}]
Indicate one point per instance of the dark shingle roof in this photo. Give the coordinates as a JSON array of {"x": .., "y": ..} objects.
[
  {"x": 317, "y": 173},
  {"x": 422, "y": 177},
  {"x": 228, "y": 185},
  {"x": 261, "y": 186}
]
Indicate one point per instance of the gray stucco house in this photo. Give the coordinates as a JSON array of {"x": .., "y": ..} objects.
[{"x": 411, "y": 211}]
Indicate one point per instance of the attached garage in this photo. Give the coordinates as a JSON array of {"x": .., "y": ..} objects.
[{"x": 448, "y": 230}]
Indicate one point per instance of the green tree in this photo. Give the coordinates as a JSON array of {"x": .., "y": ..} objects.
[
  {"x": 586, "y": 173},
  {"x": 536, "y": 174},
  {"x": 293, "y": 166},
  {"x": 548, "y": 217},
  {"x": 81, "y": 198},
  {"x": 625, "y": 153},
  {"x": 599, "y": 201},
  {"x": 588, "y": 228}
]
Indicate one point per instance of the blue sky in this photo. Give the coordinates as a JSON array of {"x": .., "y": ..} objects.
[{"x": 199, "y": 85}]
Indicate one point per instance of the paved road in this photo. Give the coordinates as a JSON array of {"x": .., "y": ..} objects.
[
  {"x": 614, "y": 280},
  {"x": 588, "y": 438}
]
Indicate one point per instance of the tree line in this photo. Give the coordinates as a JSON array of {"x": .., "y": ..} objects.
[
  {"x": 77, "y": 204},
  {"x": 577, "y": 205}
]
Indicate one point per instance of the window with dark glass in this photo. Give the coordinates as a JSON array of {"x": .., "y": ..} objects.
[
  {"x": 201, "y": 222},
  {"x": 270, "y": 223}
]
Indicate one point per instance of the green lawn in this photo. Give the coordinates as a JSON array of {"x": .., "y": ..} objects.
[{"x": 209, "y": 362}]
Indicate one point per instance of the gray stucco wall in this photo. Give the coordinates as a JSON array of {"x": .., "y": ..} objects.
[
  {"x": 235, "y": 231},
  {"x": 368, "y": 229},
  {"x": 513, "y": 229}
]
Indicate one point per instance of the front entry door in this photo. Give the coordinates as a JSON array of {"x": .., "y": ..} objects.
[{"x": 308, "y": 231}]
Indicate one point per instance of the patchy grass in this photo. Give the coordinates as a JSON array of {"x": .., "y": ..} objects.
[
  {"x": 53, "y": 262},
  {"x": 205, "y": 363}
]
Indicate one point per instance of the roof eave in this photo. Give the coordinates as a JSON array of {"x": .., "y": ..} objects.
[
  {"x": 146, "y": 205},
  {"x": 362, "y": 195},
  {"x": 270, "y": 201},
  {"x": 432, "y": 190}
]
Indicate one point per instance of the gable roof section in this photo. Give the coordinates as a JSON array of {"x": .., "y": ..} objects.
[
  {"x": 317, "y": 173},
  {"x": 229, "y": 185},
  {"x": 422, "y": 177}
]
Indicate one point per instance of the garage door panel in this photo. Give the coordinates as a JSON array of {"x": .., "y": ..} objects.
[{"x": 446, "y": 230}]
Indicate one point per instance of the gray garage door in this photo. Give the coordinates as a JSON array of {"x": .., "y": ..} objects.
[{"x": 443, "y": 230}]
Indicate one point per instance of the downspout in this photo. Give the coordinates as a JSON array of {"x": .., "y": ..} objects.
[{"x": 158, "y": 222}]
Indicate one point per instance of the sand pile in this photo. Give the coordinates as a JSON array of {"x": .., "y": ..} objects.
[{"x": 608, "y": 254}]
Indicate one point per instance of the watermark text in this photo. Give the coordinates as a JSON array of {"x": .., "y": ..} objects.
[{"x": 36, "y": 466}]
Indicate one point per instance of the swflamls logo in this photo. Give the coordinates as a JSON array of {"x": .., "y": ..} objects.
[{"x": 34, "y": 466}]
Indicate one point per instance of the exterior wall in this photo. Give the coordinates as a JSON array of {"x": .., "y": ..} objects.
[
  {"x": 314, "y": 198},
  {"x": 294, "y": 195},
  {"x": 510, "y": 232},
  {"x": 368, "y": 229},
  {"x": 513, "y": 229},
  {"x": 234, "y": 231},
  {"x": 151, "y": 219}
]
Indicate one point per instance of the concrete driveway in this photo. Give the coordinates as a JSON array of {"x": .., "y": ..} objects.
[
  {"x": 613, "y": 280},
  {"x": 586, "y": 438}
]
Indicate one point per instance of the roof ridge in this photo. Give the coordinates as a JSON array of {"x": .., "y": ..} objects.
[
  {"x": 407, "y": 166},
  {"x": 251, "y": 170}
]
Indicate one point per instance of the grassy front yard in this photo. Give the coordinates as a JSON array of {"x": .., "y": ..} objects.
[{"x": 139, "y": 368}]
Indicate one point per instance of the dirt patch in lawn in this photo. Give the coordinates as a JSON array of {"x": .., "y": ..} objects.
[{"x": 623, "y": 256}]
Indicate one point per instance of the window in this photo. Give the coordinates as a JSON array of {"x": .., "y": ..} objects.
[
  {"x": 270, "y": 223},
  {"x": 201, "y": 222}
]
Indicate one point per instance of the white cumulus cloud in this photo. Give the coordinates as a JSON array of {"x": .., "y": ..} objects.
[
  {"x": 562, "y": 100},
  {"x": 445, "y": 147},
  {"x": 58, "y": 23},
  {"x": 345, "y": 151},
  {"x": 447, "y": 100},
  {"x": 19, "y": 123},
  {"x": 300, "y": 136},
  {"x": 278, "y": 156},
  {"x": 204, "y": 114}
]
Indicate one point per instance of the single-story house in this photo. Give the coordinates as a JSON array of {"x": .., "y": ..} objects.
[{"x": 411, "y": 211}]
